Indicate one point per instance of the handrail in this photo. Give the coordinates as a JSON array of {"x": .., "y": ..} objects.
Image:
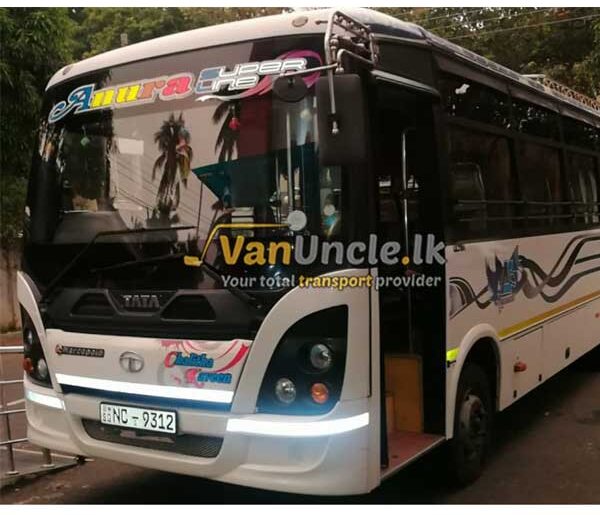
[
  {"x": 11, "y": 349},
  {"x": 531, "y": 202},
  {"x": 11, "y": 412},
  {"x": 6, "y": 414}
]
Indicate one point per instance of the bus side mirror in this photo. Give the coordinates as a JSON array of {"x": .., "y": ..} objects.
[{"x": 347, "y": 145}]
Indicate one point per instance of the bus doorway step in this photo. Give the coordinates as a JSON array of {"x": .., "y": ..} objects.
[{"x": 405, "y": 446}]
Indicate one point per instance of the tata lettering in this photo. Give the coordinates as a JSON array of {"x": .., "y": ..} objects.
[{"x": 134, "y": 301}]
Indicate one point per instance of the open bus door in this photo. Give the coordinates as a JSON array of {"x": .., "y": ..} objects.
[{"x": 411, "y": 295}]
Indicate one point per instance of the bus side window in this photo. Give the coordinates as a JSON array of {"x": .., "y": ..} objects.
[
  {"x": 579, "y": 134},
  {"x": 535, "y": 120},
  {"x": 467, "y": 189},
  {"x": 584, "y": 187},
  {"x": 483, "y": 186},
  {"x": 542, "y": 183}
]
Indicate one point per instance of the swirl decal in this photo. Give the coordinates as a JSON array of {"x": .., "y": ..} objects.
[{"x": 520, "y": 273}]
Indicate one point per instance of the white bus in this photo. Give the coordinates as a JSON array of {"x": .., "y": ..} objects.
[{"x": 298, "y": 252}]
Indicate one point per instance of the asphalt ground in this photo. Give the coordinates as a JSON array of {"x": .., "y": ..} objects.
[{"x": 547, "y": 451}]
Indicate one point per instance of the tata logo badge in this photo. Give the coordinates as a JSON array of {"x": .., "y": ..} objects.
[
  {"x": 131, "y": 362},
  {"x": 140, "y": 301}
]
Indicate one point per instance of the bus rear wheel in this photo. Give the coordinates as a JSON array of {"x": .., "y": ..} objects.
[{"x": 472, "y": 426}]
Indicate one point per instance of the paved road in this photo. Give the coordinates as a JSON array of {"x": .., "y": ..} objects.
[{"x": 548, "y": 451}]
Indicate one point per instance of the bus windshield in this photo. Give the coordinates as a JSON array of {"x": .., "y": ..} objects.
[{"x": 160, "y": 145}]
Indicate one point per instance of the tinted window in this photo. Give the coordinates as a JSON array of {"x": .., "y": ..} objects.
[
  {"x": 535, "y": 120},
  {"x": 471, "y": 100},
  {"x": 541, "y": 183},
  {"x": 583, "y": 181},
  {"x": 482, "y": 182},
  {"x": 173, "y": 157},
  {"x": 142, "y": 152},
  {"x": 580, "y": 134}
]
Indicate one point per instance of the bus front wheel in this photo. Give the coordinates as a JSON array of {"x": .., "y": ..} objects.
[{"x": 472, "y": 425}]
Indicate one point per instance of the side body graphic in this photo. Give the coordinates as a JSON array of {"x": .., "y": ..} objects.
[{"x": 536, "y": 298}]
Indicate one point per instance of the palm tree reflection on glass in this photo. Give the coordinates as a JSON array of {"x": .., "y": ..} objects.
[{"x": 173, "y": 140}]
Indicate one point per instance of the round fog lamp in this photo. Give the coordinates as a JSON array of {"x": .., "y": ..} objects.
[
  {"x": 42, "y": 369},
  {"x": 320, "y": 356},
  {"x": 319, "y": 393},
  {"x": 285, "y": 390}
]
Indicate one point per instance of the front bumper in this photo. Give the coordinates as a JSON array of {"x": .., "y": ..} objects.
[{"x": 312, "y": 455}]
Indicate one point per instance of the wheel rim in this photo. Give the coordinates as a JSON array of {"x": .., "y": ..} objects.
[{"x": 473, "y": 427}]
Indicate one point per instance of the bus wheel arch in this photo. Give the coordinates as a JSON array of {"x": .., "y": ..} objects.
[
  {"x": 485, "y": 353},
  {"x": 474, "y": 405}
]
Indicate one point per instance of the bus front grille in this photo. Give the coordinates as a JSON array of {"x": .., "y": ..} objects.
[{"x": 189, "y": 445}]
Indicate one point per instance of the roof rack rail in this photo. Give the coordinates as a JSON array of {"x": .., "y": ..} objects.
[
  {"x": 565, "y": 91},
  {"x": 360, "y": 45}
]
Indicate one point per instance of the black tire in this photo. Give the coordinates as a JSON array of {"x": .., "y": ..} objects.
[{"x": 473, "y": 420}]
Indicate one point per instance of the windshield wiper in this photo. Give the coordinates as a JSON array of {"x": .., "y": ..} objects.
[
  {"x": 71, "y": 264},
  {"x": 238, "y": 292},
  {"x": 136, "y": 262}
]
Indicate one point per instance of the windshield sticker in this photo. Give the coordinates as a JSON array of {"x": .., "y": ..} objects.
[{"x": 254, "y": 78}]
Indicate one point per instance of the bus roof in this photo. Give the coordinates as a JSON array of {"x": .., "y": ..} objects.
[
  {"x": 234, "y": 32},
  {"x": 313, "y": 22},
  {"x": 546, "y": 87}
]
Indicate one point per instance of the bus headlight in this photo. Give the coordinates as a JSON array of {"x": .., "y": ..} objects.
[
  {"x": 285, "y": 390},
  {"x": 306, "y": 372},
  {"x": 34, "y": 361},
  {"x": 320, "y": 356},
  {"x": 42, "y": 369}
]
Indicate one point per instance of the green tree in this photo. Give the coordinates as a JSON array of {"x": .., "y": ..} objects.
[
  {"x": 34, "y": 43},
  {"x": 100, "y": 28},
  {"x": 202, "y": 16},
  {"x": 562, "y": 43}
]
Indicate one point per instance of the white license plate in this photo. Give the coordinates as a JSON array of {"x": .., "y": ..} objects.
[{"x": 138, "y": 418}]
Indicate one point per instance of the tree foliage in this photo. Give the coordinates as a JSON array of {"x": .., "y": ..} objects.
[
  {"x": 563, "y": 43},
  {"x": 34, "y": 44},
  {"x": 101, "y": 28}
]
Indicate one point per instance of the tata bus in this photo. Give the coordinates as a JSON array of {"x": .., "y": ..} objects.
[{"x": 301, "y": 251}]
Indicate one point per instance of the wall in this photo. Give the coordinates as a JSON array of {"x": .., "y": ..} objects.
[{"x": 9, "y": 305}]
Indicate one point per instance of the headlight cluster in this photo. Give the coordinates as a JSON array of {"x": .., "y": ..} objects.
[
  {"x": 34, "y": 361},
  {"x": 306, "y": 371}
]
